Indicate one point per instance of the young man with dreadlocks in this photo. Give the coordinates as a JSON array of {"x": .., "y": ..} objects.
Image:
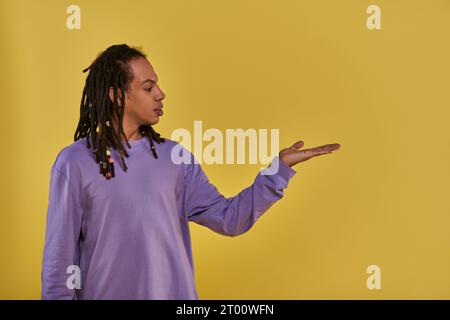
[{"x": 124, "y": 234}]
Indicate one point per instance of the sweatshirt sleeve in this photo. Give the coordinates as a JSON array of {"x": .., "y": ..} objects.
[
  {"x": 235, "y": 215},
  {"x": 63, "y": 227}
]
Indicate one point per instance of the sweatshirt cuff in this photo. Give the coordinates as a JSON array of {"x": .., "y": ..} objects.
[
  {"x": 284, "y": 170},
  {"x": 279, "y": 168}
]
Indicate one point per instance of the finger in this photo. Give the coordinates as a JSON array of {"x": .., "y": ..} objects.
[
  {"x": 297, "y": 145},
  {"x": 315, "y": 154},
  {"x": 331, "y": 146},
  {"x": 316, "y": 151},
  {"x": 328, "y": 147}
]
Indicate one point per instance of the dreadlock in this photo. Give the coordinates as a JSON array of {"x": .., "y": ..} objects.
[{"x": 109, "y": 69}]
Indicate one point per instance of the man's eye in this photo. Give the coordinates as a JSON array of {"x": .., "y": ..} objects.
[{"x": 149, "y": 89}]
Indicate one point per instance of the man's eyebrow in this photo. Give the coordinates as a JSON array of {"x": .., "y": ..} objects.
[{"x": 148, "y": 80}]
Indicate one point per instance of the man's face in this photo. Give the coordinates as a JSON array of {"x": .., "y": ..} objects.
[{"x": 144, "y": 97}]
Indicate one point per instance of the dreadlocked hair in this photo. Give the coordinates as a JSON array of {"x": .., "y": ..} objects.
[{"x": 109, "y": 69}]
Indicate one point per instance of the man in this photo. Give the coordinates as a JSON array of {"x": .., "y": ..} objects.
[{"x": 124, "y": 234}]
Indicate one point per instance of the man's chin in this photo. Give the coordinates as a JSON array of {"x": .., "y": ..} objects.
[{"x": 153, "y": 121}]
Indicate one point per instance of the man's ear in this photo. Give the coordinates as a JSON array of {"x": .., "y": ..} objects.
[{"x": 111, "y": 95}]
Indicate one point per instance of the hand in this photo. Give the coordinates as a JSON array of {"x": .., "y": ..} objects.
[{"x": 291, "y": 156}]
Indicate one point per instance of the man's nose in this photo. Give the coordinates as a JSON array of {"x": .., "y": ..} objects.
[{"x": 161, "y": 94}]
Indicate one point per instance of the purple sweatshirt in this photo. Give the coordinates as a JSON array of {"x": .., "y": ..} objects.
[{"x": 129, "y": 236}]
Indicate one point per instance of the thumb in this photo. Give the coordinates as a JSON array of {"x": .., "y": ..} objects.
[{"x": 297, "y": 145}]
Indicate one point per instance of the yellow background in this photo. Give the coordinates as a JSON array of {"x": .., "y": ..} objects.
[{"x": 311, "y": 69}]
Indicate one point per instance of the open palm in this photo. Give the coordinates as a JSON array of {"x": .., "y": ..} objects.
[{"x": 292, "y": 155}]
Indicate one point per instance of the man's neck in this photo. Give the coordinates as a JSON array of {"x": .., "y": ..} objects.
[
  {"x": 133, "y": 134},
  {"x": 131, "y": 131}
]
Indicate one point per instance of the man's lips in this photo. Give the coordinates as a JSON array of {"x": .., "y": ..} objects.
[{"x": 159, "y": 111}]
